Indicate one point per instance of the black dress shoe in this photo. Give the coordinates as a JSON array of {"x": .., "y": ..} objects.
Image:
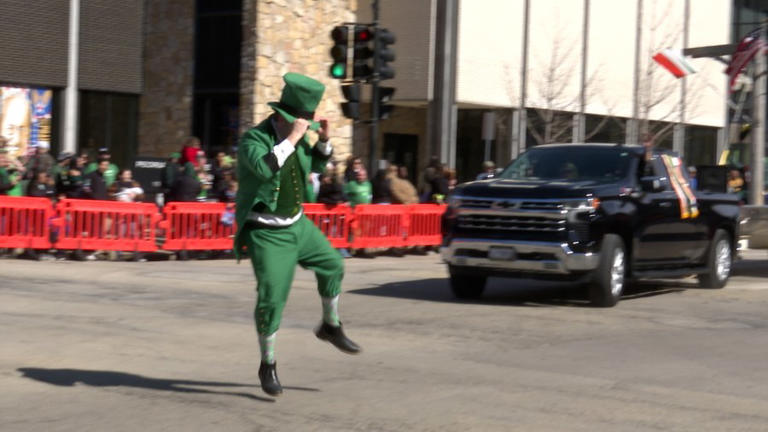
[
  {"x": 269, "y": 382},
  {"x": 335, "y": 335}
]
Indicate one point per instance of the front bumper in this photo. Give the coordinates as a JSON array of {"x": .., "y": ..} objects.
[{"x": 531, "y": 257}]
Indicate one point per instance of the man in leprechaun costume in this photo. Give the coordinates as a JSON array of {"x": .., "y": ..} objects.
[{"x": 274, "y": 160}]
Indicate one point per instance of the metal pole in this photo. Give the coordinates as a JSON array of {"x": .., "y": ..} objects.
[
  {"x": 758, "y": 131},
  {"x": 70, "y": 93},
  {"x": 581, "y": 120},
  {"x": 373, "y": 162},
  {"x": 633, "y": 129},
  {"x": 678, "y": 143},
  {"x": 521, "y": 114}
]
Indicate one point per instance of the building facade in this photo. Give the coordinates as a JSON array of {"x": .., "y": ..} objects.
[{"x": 474, "y": 80}]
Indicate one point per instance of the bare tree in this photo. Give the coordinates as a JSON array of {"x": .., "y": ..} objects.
[
  {"x": 658, "y": 91},
  {"x": 553, "y": 121}
]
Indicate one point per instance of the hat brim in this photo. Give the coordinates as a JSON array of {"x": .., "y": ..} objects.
[{"x": 313, "y": 125}]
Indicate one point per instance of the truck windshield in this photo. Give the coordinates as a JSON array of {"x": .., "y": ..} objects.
[{"x": 571, "y": 163}]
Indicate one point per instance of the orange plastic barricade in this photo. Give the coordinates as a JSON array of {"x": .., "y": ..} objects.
[
  {"x": 424, "y": 224},
  {"x": 107, "y": 225},
  {"x": 25, "y": 222},
  {"x": 379, "y": 225},
  {"x": 197, "y": 226},
  {"x": 333, "y": 220}
]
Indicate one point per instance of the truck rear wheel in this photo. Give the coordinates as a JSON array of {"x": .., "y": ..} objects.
[
  {"x": 719, "y": 261},
  {"x": 467, "y": 286},
  {"x": 608, "y": 279}
]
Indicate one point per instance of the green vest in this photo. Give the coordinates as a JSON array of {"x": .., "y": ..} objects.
[{"x": 290, "y": 195}]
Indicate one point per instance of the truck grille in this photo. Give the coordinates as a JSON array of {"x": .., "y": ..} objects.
[
  {"x": 511, "y": 223},
  {"x": 534, "y": 220},
  {"x": 470, "y": 203}
]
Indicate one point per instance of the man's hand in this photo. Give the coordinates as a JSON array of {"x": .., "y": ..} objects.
[
  {"x": 300, "y": 127},
  {"x": 324, "y": 131}
]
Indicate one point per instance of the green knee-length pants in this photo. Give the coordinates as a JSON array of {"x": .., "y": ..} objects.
[{"x": 274, "y": 253}]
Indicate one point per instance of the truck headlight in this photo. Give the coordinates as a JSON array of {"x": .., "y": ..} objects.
[{"x": 590, "y": 204}]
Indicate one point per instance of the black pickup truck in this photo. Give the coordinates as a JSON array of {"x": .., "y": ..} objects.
[{"x": 598, "y": 214}]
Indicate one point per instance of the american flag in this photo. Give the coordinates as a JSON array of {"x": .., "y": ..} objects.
[{"x": 748, "y": 47}]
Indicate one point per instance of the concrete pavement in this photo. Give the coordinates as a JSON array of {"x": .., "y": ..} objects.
[{"x": 167, "y": 345}]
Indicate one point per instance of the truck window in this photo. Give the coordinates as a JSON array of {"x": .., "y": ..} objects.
[
  {"x": 655, "y": 168},
  {"x": 571, "y": 163}
]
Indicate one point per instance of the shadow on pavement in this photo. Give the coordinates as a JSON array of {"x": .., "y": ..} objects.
[
  {"x": 68, "y": 377},
  {"x": 751, "y": 268},
  {"x": 516, "y": 292}
]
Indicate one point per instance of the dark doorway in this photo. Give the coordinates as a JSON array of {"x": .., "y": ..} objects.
[
  {"x": 402, "y": 150},
  {"x": 109, "y": 120},
  {"x": 470, "y": 148},
  {"x": 218, "y": 37}
]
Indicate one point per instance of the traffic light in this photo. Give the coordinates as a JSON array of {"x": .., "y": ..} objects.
[
  {"x": 384, "y": 54},
  {"x": 363, "y": 52},
  {"x": 340, "y": 37},
  {"x": 385, "y": 95},
  {"x": 351, "y": 108}
]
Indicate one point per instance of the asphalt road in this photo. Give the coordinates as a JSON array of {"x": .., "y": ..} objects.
[{"x": 170, "y": 346}]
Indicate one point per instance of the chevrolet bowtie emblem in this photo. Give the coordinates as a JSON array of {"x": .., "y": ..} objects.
[{"x": 505, "y": 205}]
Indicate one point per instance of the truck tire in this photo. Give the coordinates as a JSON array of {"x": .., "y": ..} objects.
[
  {"x": 719, "y": 261},
  {"x": 467, "y": 286},
  {"x": 608, "y": 279}
]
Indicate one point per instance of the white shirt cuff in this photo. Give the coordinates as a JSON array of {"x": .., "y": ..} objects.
[
  {"x": 282, "y": 151},
  {"x": 324, "y": 147}
]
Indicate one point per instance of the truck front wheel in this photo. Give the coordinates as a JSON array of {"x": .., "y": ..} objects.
[
  {"x": 719, "y": 261},
  {"x": 467, "y": 286},
  {"x": 608, "y": 279}
]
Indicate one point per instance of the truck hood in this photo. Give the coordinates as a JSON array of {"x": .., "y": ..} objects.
[{"x": 504, "y": 188}]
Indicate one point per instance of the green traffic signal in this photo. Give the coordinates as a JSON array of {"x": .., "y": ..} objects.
[
  {"x": 339, "y": 35},
  {"x": 338, "y": 70}
]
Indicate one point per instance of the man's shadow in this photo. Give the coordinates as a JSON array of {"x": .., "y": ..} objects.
[{"x": 68, "y": 377}]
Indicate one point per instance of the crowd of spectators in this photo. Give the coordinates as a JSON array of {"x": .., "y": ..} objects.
[{"x": 189, "y": 176}]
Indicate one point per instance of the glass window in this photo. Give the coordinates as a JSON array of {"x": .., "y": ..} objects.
[
  {"x": 109, "y": 120},
  {"x": 571, "y": 163}
]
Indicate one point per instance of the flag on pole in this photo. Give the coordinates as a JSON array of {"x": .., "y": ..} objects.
[
  {"x": 674, "y": 61},
  {"x": 747, "y": 48}
]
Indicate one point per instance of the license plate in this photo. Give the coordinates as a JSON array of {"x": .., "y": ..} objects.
[{"x": 502, "y": 254}]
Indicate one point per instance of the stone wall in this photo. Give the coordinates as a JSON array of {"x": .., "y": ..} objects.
[
  {"x": 292, "y": 36},
  {"x": 165, "y": 111}
]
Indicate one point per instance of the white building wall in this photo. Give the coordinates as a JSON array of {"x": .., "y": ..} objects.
[
  {"x": 490, "y": 54},
  {"x": 554, "y": 62},
  {"x": 490, "y": 43},
  {"x": 611, "y": 58},
  {"x": 712, "y": 27}
]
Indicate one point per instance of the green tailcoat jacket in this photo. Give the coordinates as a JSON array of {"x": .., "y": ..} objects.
[{"x": 258, "y": 174}]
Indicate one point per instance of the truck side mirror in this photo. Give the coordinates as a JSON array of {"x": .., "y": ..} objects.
[{"x": 651, "y": 184}]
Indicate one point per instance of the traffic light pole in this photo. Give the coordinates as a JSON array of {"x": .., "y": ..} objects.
[{"x": 374, "y": 92}]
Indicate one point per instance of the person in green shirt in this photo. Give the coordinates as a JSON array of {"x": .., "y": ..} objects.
[
  {"x": 359, "y": 190},
  {"x": 10, "y": 176},
  {"x": 110, "y": 175}
]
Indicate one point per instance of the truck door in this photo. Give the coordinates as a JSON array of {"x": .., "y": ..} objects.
[{"x": 662, "y": 236}]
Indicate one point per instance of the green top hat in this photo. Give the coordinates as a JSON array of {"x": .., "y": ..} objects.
[{"x": 300, "y": 98}]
